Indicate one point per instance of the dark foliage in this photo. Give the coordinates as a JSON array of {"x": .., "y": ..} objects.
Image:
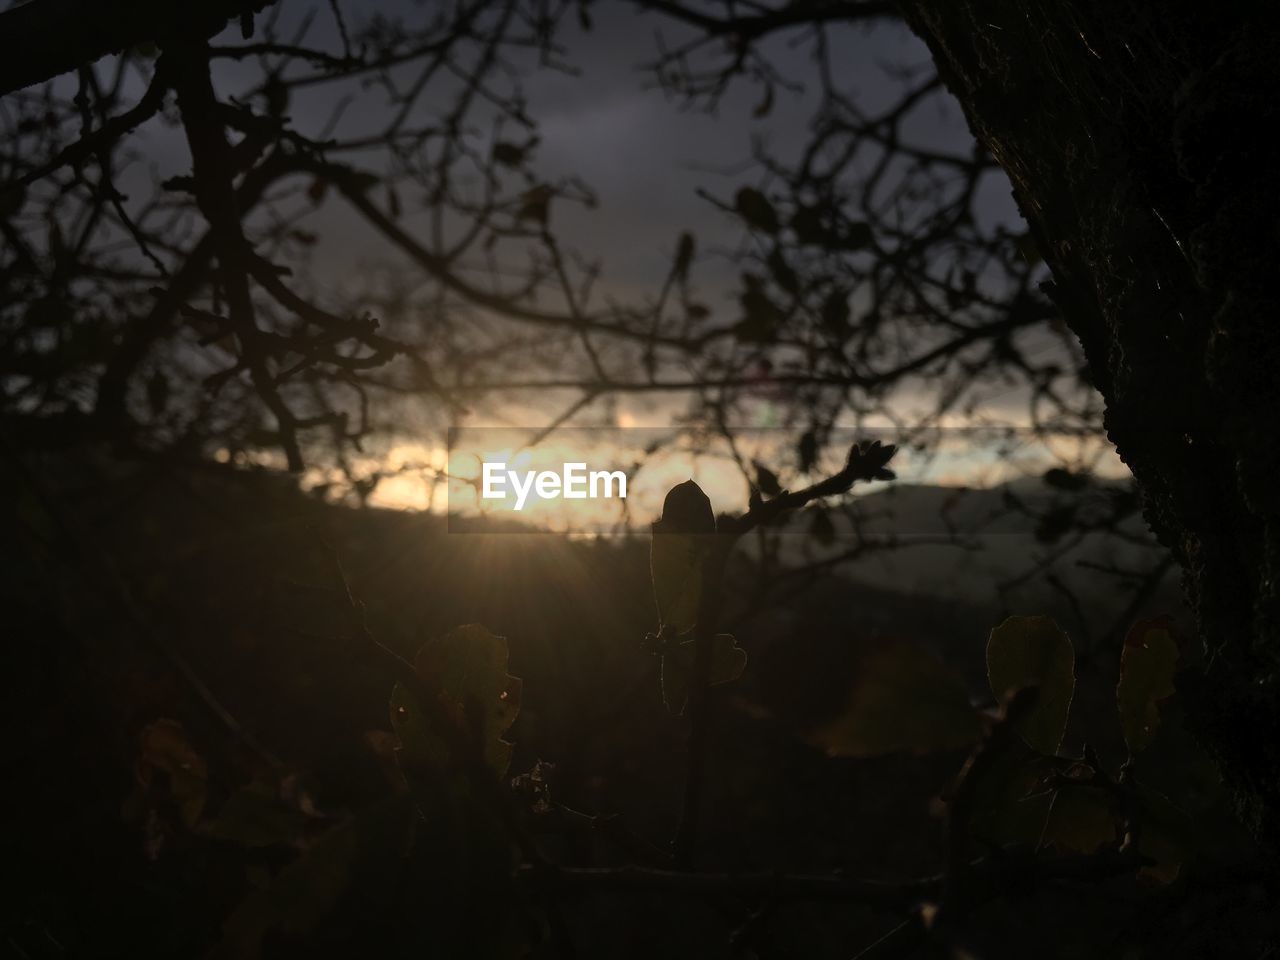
[{"x": 248, "y": 715}]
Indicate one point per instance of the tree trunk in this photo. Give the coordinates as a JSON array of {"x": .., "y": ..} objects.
[{"x": 1141, "y": 142}]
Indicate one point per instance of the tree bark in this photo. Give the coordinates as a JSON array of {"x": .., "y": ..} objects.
[{"x": 1140, "y": 141}]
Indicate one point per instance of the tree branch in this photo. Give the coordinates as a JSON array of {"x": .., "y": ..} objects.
[
  {"x": 45, "y": 38},
  {"x": 216, "y": 196},
  {"x": 867, "y": 461}
]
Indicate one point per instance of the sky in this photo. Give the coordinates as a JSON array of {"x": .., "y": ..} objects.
[{"x": 644, "y": 155}]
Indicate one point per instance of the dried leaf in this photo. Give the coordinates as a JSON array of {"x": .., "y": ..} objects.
[
  {"x": 766, "y": 480},
  {"x": 1034, "y": 652},
  {"x": 165, "y": 749},
  {"x": 468, "y": 669},
  {"x": 1081, "y": 819},
  {"x": 756, "y": 210},
  {"x": 903, "y": 699}
]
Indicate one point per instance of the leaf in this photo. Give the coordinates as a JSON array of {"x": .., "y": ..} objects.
[
  {"x": 835, "y": 311},
  {"x": 807, "y": 451},
  {"x": 1166, "y": 836},
  {"x": 534, "y": 788},
  {"x": 869, "y": 460},
  {"x": 12, "y": 197},
  {"x": 781, "y": 272},
  {"x": 903, "y": 699},
  {"x": 821, "y": 528},
  {"x": 1184, "y": 810},
  {"x": 508, "y": 154},
  {"x": 1081, "y": 818},
  {"x": 858, "y": 236},
  {"x": 1010, "y": 802},
  {"x": 360, "y": 181},
  {"x": 765, "y": 106},
  {"x": 1061, "y": 479},
  {"x": 756, "y": 210},
  {"x": 1056, "y": 523},
  {"x": 685, "y": 248},
  {"x": 165, "y": 749},
  {"x": 761, "y": 316},
  {"x": 441, "y": 790},
  {"x": 1165, "y": 852},
  {"x": 1174, "y": 764},
  {"x": 810, "y": 228},
  {"x": 468, "y": 669},
  {"x": 686, "y": 509},
  {"x": 766, "y": 480},
  {"x": 157, "y": 392},
  {"x": 257, "y": 816},
  {"x": 675, "y": 562},
  {"x": 1034, "y": 652},
  {"x": 188, "y": 185},
  {"x": 1147, "y": 665},
  {"x": 463, "y": 830},
  {"x": 304, "y": 892},
  {"x": 56, "y": 242},
  {"x": 680, "y": 543},
  {"x": 535, "y": 204},
  {"x": 728, "y": 660}
]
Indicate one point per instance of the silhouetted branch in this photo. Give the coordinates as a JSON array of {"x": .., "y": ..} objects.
[
  {"x": 212, "y": 167},
  {"x": 756, "y": 885},
  {"x": 866, "y": 461},
  {"x": 44, "y": 38},
  {"x": 109, "y": 132}
]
